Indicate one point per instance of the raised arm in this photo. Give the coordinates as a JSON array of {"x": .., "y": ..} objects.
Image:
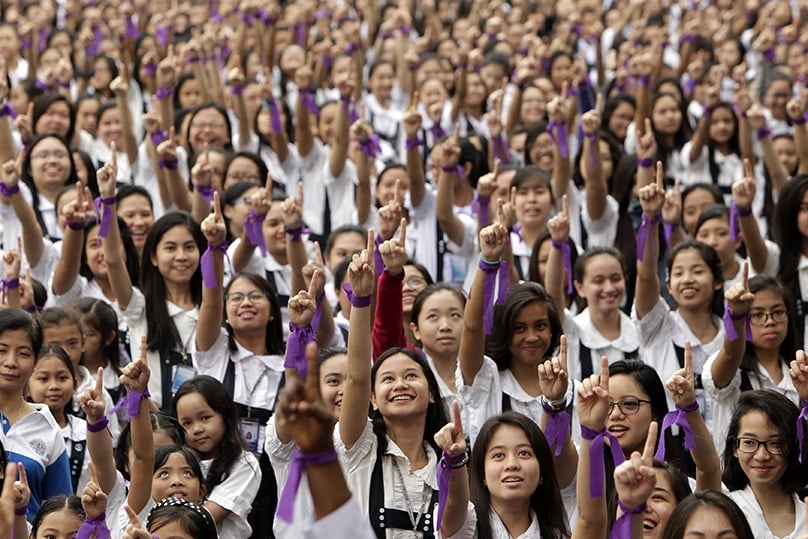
[
  {"x": 777, "y": 172},
  {"x": 555, "y": 280},
  {"x": 118, "y": 276},
  {"x": 202, "y": 180},
  {"x": 120, "y": 87},
  {"x": 739, "y": 300},
  {"x": 415, "y": 161},
  {"x": 591, "y": 164},
  {"x": 12, "y": 260},
  {"x": 452, "y": 442},
  {"x": 682, "y": 387},
  {"x": 212, "y": 308},
  {"x": 652, "y": 198},
  {"x": 169, "y": 167},
  {"x": 702, "y": 134},
  {"x": 99, "y": 442},
  {"x": 493, "y": 239},
  {"x": 634, "y": 481},
  {"x": 559, "y": 111},
  {"x": 450, "y": 223},
  {"x": 356, "y": 396},
  {"x": 32, "y": 238},
  {"x": 388, "y": 324},
  {"x": 67, "y": 267},
  {"x": 339, "y": 149},
  {"x": 646, "y": 153},
  {"x": 303, "y": 133},
  {"x": 363, "y": 155},
  {"x": 743, "y": 194}
]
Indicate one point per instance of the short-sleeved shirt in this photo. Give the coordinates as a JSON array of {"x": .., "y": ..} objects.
[{"x": 236, "y": 494}]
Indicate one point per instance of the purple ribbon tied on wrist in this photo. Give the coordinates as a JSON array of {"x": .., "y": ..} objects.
[
  {"x": 7, "y": 191},
  {"x": 131, "y": 28},
  {"x": 94, "y": 526},
  {"x": 356, "y": 301},
  {"x": 132, "y": 402},
  {"x": 557, "y": 429},
  {"x": 371, "y": 146},
  {"x": 307, "y": 98},
  {"x": 253, "y": 227},
  {"x": 643, "y": 235},
  {"x": 296, "y": 348},
  {"x": 729, "y": 326},
  {"x": 444, "y": 476},
  {"x": 736, "y": 213},
  {"x": 558, "y": 132},
  {"x": 496, "y": 273},
  {"x": 437, "y": 132},
  {"x": 8, "y": 284},
  {"x": 7, "y": 110},
  {"x": 596, "y": 463},
  {"x": 274, "y": 116},
  {"x": 622, "y": 526},
  {"x": 98, "y": 37},
  {"x": 286, "y": 502},
  {"x": 677, "y": 417},
  {"x": 104, "y": 213},
  {"x": 209, "y": 279},
  {"x": 566, "y": 259},
  {"x": 161, "y": 33},
  {"x": 480, "y": 206},
  {"x": 205, "y": 192},
  {"x": 801, "y": 426}
]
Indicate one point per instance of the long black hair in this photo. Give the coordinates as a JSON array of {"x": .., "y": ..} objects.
[
  {"x": 274, "y": 330},
  {"x": 132, "y": 258},
  {"x": 787, "y": 233}
]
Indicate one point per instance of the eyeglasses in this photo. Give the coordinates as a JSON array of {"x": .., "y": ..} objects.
[
  {"x": 751, "y": 445},
  {"x": 627, "y": 406},
  {"x": 44, "y": 154},
  {"x": 249, "y": 178},
  {"x": 759, "y": 318},
  {"x": 235, "y": 298},
  {"x": 414, "y": 282},
  {"x": 214, "y": 126}
]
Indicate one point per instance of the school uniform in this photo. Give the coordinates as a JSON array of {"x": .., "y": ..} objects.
[
  {"x": 387, "y": 124},
  {"x": 75, "y": 438},
  {"x": 723, "y": 400},
  {"x": 36, "y": 441},
  {"x": 346, "y": 521},
  {"x": 586, "y": 345},
  {"x": 276, "y": 169},
  {"x": 236, "y": 494},
  {"x": 750, "y": 507},
  {"x": 586, "y": 231},
  {"x": 801, "y": 297}
]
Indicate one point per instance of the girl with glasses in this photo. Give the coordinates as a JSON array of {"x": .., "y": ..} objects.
[
  {"x": 761, "y": 462},
  {"x": 759, "y": 363}
]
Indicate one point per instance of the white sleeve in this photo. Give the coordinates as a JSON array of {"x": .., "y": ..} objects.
[
  {"x": 237, "y": 492},
  {"x": 213, "y": 361},
  {"x": 347, "y": 521}
]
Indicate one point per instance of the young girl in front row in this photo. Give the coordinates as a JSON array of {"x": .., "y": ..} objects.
[
  {"x": 695, "y": 281},
  {"x": 232, "y": 475},
  {"x": 176, "y": 518}
]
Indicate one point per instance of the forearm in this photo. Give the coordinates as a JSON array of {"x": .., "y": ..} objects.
[
  {"x": 705, "y": 456},
  {"x": 592, "y": 517},
  {"x": 297, "y": 256},
  {"x": 777, "y": 172},
  {"x": 472, "y": 341},
  {"x": 67, "y": 268},
  {"x": 554, "y": 281},
  {"x": 444, "y": 209},
  {"x": 457, "y": 503},
  {"x": 596, "y": 188},
  {"x": 700, "y": 137},
  {"x": 117, "y": 274},
  {"x": 129, "y": 140},
  {"x": 212, "y": 307},
  {"x": 339, "y": 151},
  {"x": 363, "y": 189},
  {"x": 33, "y": 242},
  {"x": 561, "y": 173},
  {"x": 729, "y": 358},
  {"x": 99, "y": 446},
  {"x": 329, "y": 491},
  {"x": 177, "y": 189},
  {"x": 755, "y": 244},
  {"x": 415, "y": 169}
]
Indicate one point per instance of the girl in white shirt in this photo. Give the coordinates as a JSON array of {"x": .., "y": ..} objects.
[{"x": 761, "y": 464}]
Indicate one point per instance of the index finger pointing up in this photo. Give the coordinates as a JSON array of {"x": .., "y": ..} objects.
[
  {"x": 314, "y": 284},
  {"x": 604, "y": 373},
  {"x": 650, "y": 444},
  {"x": 217, "y": 207},
  {"x": 371, "y": 241},
  {"x": 660, "y": 178},
  {"x": 565, "y": 206},
  {"x": 99, "y": 383},
  {"x": 688, "y": 360},
  {"x": 747, "y": 169},
  {"x": 402, "y": 236},
  {"x": 457, "y": 419},
  {"x": 745, "y": 275}
]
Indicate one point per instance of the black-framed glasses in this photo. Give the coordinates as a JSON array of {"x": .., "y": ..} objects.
[
  {"x": 628, "y": 406},
  {"x": 751, "y": 445},
  {"x": 759, "y": 318},
  {"x": 255, "y": 296}
]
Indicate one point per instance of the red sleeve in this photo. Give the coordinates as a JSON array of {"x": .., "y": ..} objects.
[{"x": 388, "y": 324}]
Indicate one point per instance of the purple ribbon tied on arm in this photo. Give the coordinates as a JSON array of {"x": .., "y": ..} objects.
[
  {"x": 593, "y": 147},
  {"x": 371, "y": 146},
  {"x": 274, "y": 116},
  {"x": 300, "y": 34},
  {"x": 729, "y": 327},
  {"x": 307, "y": 98},
  {"x": 642, "y": 235},
  {"x": 493, "y": 271},
  {"x": 677, "y": 417},
  {"x": 558, "y": 132},
  {"x": 480, "y": 206},
  {"x": 213, "y": 8},
  {"x": 378, "y": 261},
  {"x": 733, "y": 221},
  {"x": 557, "y": 429},
  {"x": 98, "y": 36},
  {"x": 566, "y": 259},
  {"x": 596, "y": 463},
  {"x": 801, "y": 426},
  {"x": 501, "y": 149},
  {"x": 445, "y": 466},
  {"x": 7, "y": 110},
  {"x": 95, "y": 526},
  {"x": 296, "y": 348},
  {"x": 103, "y": 209},
  {"x": 622, "y": 526},
  {"x": 7, "y": 284},
  {"x": 209, "y": 279},
  {"x": 253, "y": 226},
  {"x": 132, "y": 403},
  {"x": 161, "y": 33},
  {"x": 669, "y": 228},
  {"x": 437, "y": 132},
  {"x": 131, "y": 28},
  {"x": 286, "y": 502}
]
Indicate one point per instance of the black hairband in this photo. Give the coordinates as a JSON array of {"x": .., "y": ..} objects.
[{"x": 181, "y": 502}]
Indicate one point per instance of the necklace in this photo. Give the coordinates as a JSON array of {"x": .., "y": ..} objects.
[{"x": 414, "y": 516}]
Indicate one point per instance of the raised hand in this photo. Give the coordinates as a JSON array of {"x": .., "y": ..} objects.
[
  {"x": 646, "y": 142},
  {"x": 743, "y": 191},
  {"x": 739, "y": 299},
  {"x": 635, "y": 479},
  {"x": 553, "y": 376},
  {"x": 798, "y": 369},
  {"x": 303, "y": 305},
  {"x": 450, "y": 437},
  {"x": 361, "y": 274},
  {"x": 76, "y": 211},
  {"x": 301, "y": 410},
  {"x": 213, "y": 226},
  {"x": 202, "y": 171},
  {"x": 167, "y": 150},
  {"x": 12, "y": 260},
  {"x": 394, "y": 252},
  {"x": 108, "y": 174},
  {"x": 493, "y": 240},
  {"x": 136, "y": 375},
  {"x": 590, "y": 121},
  {"x": 593, "y": 398},
  {"x": 682, "y": 383},
  {"x": 672, "y": 208},
  {"x": 135, "y": 529},
  {"x": 390, "y": 216},
  {"x": 559, "y": 224},
  {"x": 93, "y": 499},
  {"x": 119, "y": 86},
  {"x": 652, "y": 196},
  {"x": 450, "y": 149},
  {"x": 412, "y": 118},
  {"x": 12, "y": 169},
  {"x": 24, "y": 124},
  {"x": 91, "y": 399},
  {"x": 487, "y": 184},
  {"x": 316, "y": 264},
  {"x": 292, "y": 209}
]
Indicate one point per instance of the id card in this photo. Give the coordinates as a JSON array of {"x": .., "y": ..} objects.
[
  {"x": 182, "y": 373},
  {"x": 250, "y": 430}
]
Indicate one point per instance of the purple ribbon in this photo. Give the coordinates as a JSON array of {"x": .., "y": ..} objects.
[
  {"x": 206, "y": 264},
  {"x": 414, "y": 143},
  {"x": 356, "y": 301},
  {"x": 163, "y": 91},
  {"x": 300, "y": 34},
  {"x": 734, "y": 214},
  {"x": 800, "y": 426},
  {"x": 274, "y": 116},
  {"x": 168, "y": 163},
  {"x": 557, "y": 429},
  {"x": 596, "y": 463},
  {"x": 501, "y": 148},
  {"x": 205, "y": 192},
  {"x": 370, "y": 146},
  {"x": 158, "y": 138},
  {"x": 6, "y": 284},
  {"x": 378, "y": 261},
  {"x": 689, "y": 85},
  {"x": 729, "y": 327},
  {"x": 95, "y": 526},
  {"x": 95, "y": 44},
  {"x": 103, "y": 209},
  {"x": 493, "y": 270},
  {"x": 42, "y": 85},
  {"x": 132, "y": 402},
  {"x": 593, "y": 147},
  {"x": 643, "y": 235},
  {"x": 677, "y": 417},
  {"x": 296, "y": 347},
  {"x": 437, "y": 132},
  {"x": 566, "y": 259},
  {"x": 7, "y": 191},
  {"x": 253, "y": 227},
  {"x": 131, "y": 28},
  {"x": 622, "y": 526},
  {"x": 213, "y": 10},
  {"x": 322, "y": 13},
  {"x": 99, "y": 425},
  {"x": 7, "y": 110},
  {"x": 286, "y": 502},
  {"x": 558, "y": 132},
  {"x": 769, "y": 54},
  {"x": 669, "y": 229},
  {"x": 480, "y": 206},
  {"x": 307, "y": 98},
  {"x": 445, "y": 467},
  {"x": 161, "y": 33}
]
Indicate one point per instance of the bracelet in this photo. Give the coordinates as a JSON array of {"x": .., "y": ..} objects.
[
  {"x": 744, "y": 212},
  {"x": 645, "y": 162},
  {"x": 729, "y": 327},
  {"x": 99, "y": 425},
  {"x": 453, "y": 463},
  {"x": 356, "y": 301},
  {"x": 169, "y": 163},
  {"x": 552, "y": 407},
  {"x": 236, "y": 90},
  {"x": 7, "y": 110},
  {"x": 295, "y": 234},
  {"x": 488, "y": 265},
  {"x": 7, "y": 191},
  {"x": 799, "y": 121}
]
